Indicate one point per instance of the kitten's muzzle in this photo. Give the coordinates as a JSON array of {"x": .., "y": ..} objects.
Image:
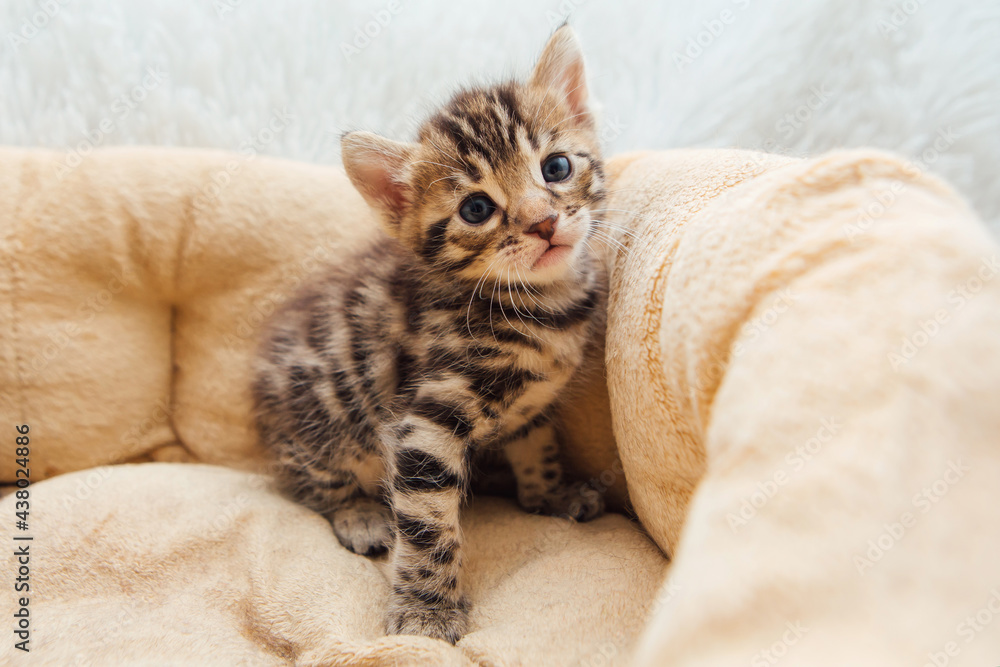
[{"x": 545, "y": 228}]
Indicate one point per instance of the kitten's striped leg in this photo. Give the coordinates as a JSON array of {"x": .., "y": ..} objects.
[
  {"x": 534, "y": 457},
  {"x": 426, "y": 485}
]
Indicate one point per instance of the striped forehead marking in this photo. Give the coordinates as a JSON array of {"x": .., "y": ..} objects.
[{"x": 484, "y": 125}]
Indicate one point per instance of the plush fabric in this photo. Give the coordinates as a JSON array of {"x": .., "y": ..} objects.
[
  {"x": 133, "y": 288},
  {"x": 183, "y": 564},
  {"x": 763, "y": 305},
  {"x": 285, "y": 79},
  {"x": 132, "y": 291},
  {"x": 805, "y": 365}
]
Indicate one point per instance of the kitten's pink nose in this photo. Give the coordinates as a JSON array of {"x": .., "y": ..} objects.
[{"x": 546, "y": 228}]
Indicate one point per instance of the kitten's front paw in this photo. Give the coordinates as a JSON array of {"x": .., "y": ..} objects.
[
  {"x": 363, "y": 527},
  {"x": 579, "y": 502},
  {"x": 443, "y": 620}
]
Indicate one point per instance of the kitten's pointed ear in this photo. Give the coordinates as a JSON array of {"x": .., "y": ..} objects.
[
  {"x": 561, "y": 71},
  {"x": 375, "y": 166}
]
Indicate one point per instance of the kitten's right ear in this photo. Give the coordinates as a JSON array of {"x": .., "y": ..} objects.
[
  {"x": 561, "y": 70},
  {"x": 375, "y": 166}
]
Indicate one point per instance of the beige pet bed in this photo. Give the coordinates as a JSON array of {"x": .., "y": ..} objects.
[{"x": 801, "y": 371}]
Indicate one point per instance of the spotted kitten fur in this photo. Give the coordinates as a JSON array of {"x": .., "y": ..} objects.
[{"x": 378, "y": 386}]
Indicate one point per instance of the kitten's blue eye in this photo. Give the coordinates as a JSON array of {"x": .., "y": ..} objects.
[
  {"x": 555, "y": 169},
  {"x": 476, "y": 209}
]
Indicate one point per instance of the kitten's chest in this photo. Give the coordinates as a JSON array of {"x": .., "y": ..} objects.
[
  {"x": 546, "y": 372},
  {"x": 514, "y": 359},
  {"x": 516, "y": 374}
]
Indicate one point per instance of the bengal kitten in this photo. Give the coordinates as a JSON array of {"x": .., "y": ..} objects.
[{"x": 378, "y": 385}]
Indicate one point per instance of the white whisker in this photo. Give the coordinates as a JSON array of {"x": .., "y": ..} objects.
[
  {"x": 604, "y": 224},
  {"x": 468, "y": 310}
]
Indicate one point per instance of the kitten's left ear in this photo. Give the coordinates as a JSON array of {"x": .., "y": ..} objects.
[
  {"x": 376, "y": 167},
  {"x": 561, "y": 70}
]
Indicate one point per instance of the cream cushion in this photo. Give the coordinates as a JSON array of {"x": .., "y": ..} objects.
[
  {"x": 804, "y": 369},
  {"x": 767, "y": 311}
]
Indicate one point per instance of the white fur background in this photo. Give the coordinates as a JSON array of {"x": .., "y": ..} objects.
[{"x": 286, "y": 77}]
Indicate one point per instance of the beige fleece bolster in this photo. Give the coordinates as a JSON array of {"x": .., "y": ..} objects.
[{"x": 818, "y": 346}]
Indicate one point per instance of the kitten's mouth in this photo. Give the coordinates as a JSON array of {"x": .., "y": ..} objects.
[{"x": 552, "y": 256}]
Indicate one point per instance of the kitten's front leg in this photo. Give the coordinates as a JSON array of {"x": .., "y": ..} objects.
[
  {"x": 535, "y": 461},
  {"x": 426, "y": 484}
]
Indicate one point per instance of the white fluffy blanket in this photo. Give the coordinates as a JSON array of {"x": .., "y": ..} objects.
[{"x": 285, "y": 78}]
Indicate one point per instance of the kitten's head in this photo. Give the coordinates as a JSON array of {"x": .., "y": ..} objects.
[{"x": 501, "y": 181}]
